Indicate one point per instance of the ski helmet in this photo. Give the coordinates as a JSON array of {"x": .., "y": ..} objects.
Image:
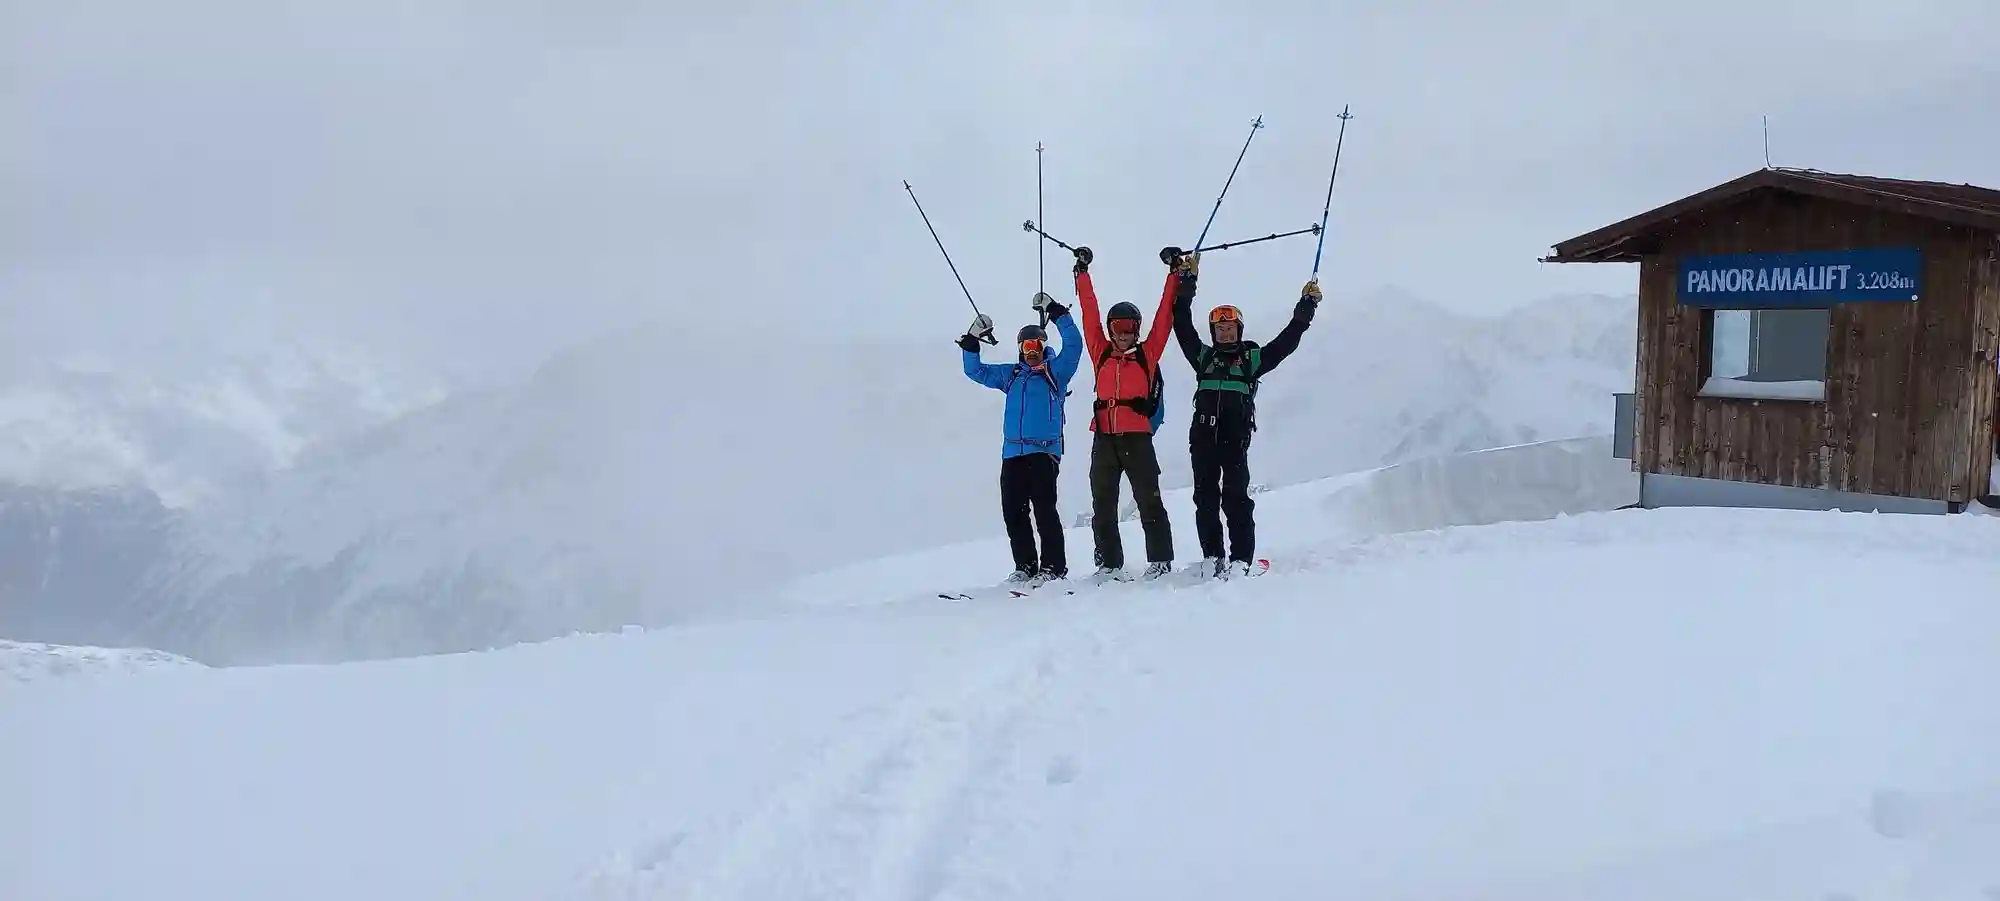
[
  {"x": 1222, "y": 314},
  {"x": 1123, "y": 309},
  {"x": 1030, "y": 331}
]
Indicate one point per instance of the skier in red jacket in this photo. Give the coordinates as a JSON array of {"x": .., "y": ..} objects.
[{"x": 1123, "y": 367}]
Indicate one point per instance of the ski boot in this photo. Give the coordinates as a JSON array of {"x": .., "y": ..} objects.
[
  {"x": 1210, "y": 568},
  {"x": 1155, "y": 570},
  {"x": 1018, "y": 577},
  {"x": 1106, "y": 574}
]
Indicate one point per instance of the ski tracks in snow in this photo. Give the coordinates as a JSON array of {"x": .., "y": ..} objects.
[{"x": 903, "y": 805}]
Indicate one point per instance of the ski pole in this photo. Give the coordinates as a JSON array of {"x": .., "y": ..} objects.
[
  {"x": 1041, "y": 265},
  {"x": 1315, "y": 229},
  {"x": 947, "y": 255},
  {"x": 1029, "y": 226},
  {"x": 1254, "y": 125},
  {"x": 1344, "y": 116}
]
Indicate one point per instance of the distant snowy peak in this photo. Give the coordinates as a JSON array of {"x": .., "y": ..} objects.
[
  {"x": 34, "y": 662},
  {"x": 185, "y": 433}
]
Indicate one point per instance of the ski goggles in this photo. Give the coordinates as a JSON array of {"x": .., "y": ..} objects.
[
  {"x": 1125, "y": 326},
  {"x": 1032, "y": 346},
  {"x": 1225, "y": 313}
]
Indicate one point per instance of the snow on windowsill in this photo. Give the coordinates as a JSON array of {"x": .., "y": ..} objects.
[{"x": 1744, "y": 388}]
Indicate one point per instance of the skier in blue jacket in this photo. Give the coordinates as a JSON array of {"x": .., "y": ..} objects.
[{"x": 1036, "y": 385}]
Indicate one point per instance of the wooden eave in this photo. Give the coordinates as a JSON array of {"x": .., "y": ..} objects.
[{"x": 1625, "y": 241}]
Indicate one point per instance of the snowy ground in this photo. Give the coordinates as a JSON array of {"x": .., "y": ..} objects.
[
  {"x": 24, "y": 661},
  {"x": 1633, "y": 704}
]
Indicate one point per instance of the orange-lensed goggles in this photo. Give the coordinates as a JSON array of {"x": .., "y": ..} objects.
[
  {"x": 1225, "y": 313},
  {"x": 1125, "y": 326},
  {"x": 1032, "y": 346}
]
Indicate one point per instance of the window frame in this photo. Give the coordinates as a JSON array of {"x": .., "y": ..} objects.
[{"x": 1709, "y": 385}]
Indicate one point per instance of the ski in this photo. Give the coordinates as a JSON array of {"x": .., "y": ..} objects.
[
  {"x": 1187, "y": 576},
  {"x": 997, "y": 591}
]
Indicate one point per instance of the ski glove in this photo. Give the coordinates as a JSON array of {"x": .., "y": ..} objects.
[
  {"x": 1083, "y": 258},
  {"x": 968, "y": 344},
  {"x": 982, "y": 326},
  {"x": 1308, "y": 303},
  {"x": 1047, "y": 306}
]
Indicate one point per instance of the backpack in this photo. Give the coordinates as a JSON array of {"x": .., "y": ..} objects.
[
  {"x": 1251, "y": 356},
  {"x": 1159, "y": 400}
]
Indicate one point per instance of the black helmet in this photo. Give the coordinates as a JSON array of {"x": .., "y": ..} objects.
[
  {"x": 1030, "y": 331},
  {"x": 1123, "y": 309}
]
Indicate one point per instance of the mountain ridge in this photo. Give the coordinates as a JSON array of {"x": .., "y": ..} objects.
[{"x": 629, "y": 478}]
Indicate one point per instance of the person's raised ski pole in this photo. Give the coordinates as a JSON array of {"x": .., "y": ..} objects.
[
  {"x": 1312, "y": 229},
  {"x": 988, "y": 336},
  {"x": 1254, "y": 125},
  {"x": 1030, "y": 226},
  {"x": 1041, "y": 266},
  {"x": 1344, "y": 116}
]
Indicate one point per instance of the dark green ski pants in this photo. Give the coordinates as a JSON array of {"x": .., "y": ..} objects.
[{"x": 1128, "y": 455}]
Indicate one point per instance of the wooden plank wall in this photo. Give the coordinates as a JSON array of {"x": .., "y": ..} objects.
[
  {"x": 1902, "y": 391},
  {"x": 1984, "y": 375}
]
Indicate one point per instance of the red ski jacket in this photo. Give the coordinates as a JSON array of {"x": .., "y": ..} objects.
[{"x": 1124, "y": 376}]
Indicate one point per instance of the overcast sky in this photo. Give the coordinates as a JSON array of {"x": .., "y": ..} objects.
[{"x": 486, "y": 180}]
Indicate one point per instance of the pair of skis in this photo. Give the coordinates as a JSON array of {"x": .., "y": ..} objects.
[{"x": 1191, "y": 575}]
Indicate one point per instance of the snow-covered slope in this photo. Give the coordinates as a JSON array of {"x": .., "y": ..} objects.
[
  {"x": 641, "y": 478},
  {"x": 1561, "y": 710},
  {"x": 22, "y": 661},
  {"x": 1524, "y": 482}
]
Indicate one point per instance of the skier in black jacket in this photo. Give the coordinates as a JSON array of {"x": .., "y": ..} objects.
[{"x": 1225, "y": 415}]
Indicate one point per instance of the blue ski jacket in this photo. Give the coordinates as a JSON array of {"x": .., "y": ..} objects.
[{"x": 1034, "y": 415}]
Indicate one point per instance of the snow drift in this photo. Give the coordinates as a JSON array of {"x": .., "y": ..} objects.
[
  {"x": 1502, "y": 712},
  {"x": 1525, "y": 482},
  {"x": 22, "y": 661}
]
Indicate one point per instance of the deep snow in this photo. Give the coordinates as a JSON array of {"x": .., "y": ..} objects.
[{"x": 1631, "y": 704}]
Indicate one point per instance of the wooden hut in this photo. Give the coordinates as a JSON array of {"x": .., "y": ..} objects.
[{"x": 1814, "y": 341}]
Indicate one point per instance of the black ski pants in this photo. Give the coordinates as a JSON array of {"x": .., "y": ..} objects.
[
  {"x": 1127, "y": 455},
  {"x": 1222, "y": 486},
  {"x": 1029, "y": 481}
]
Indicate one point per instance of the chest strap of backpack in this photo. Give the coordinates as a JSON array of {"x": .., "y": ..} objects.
[
  {"x": 1232, "y": 375},
  {"x": 1144, "y": 406}
]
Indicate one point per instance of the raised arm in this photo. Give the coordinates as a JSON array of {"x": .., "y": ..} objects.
[
  {"x": 1184, "y": 330},
  {"x": 1288, "y": 339},
  {"x": 1163, "y": 320},
  {"x": 992, "y": 375},
  {"x": 1093, "y": 320},
  {"x": 1064, "y": 364}
]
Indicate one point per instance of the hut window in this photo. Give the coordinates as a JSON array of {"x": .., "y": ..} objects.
[{"x": 1765, "y": 354}]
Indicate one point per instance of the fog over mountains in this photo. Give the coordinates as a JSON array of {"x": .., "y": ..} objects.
[{"x": 310, "y": 509}]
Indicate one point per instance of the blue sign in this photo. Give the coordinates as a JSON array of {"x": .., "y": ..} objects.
[{"x": 1764, "y": 281}]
